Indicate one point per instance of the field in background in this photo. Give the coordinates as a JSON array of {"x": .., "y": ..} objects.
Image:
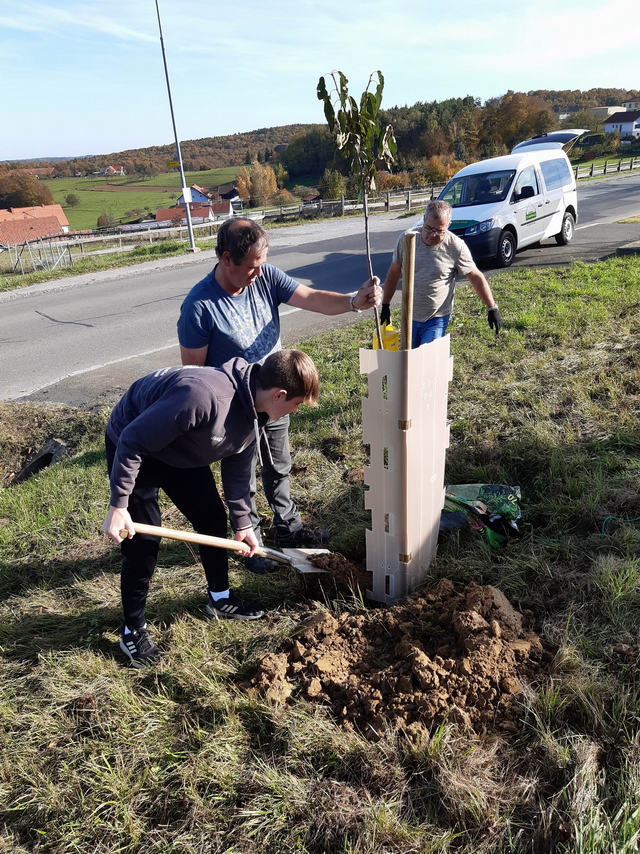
[
  {"x": 96, "y": 756},
  {"x": 115, "y": 196}
]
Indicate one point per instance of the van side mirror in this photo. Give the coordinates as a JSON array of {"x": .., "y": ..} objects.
[{"x": 527, "y": 192}]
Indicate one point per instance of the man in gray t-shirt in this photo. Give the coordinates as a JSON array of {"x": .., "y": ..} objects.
[
  {"x": 234, "y": 312},
  {"x": 440, "y": 257}
]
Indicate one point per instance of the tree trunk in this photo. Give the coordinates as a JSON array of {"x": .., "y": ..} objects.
[{"x": 368, "y": 247}]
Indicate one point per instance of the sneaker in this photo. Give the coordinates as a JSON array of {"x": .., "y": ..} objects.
[
  {"x": 260, "y": 565},
  {"x": 234, "y": 608},
  {"x": 303, "y": 538},
  {"x": 142, "y": 651}
]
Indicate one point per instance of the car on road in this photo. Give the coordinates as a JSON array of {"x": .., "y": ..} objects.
[{"x": 505, "y": 203}]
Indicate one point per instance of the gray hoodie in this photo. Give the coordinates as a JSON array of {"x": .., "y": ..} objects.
[{"x": 188, "y": 417}]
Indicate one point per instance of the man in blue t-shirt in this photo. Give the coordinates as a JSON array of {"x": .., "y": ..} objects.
[{"x": 234, "y": 312}]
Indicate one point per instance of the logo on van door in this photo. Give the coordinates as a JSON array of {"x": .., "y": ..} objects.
[{"x": 530, "y": 214}]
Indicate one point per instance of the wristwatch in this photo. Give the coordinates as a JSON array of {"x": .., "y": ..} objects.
[{"x": 352, "y": 306}]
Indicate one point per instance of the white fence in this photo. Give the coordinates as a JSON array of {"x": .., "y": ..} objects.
[
  {"x": 116, "y": 238},
  {"x": 591, "y": 170}
]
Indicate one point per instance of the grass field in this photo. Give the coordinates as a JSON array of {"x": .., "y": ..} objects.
[
  {"x": 95, "y": 756},
  {"x": 115, "y": 196}
]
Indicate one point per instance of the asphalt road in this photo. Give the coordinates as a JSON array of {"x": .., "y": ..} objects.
[{"x": 84, "y": 339}]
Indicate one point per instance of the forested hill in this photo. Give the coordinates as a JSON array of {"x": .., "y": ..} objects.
[
  {"x": 210, "y": 152},
  {"x": 438, "y": 135}
]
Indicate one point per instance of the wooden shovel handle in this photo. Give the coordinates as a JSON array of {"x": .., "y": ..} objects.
[{"x": 189, "y": 537}]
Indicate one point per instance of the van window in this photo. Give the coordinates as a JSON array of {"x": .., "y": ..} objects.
[
  {"x": 556, "y": 173},
  {"x": 480, "y": 189},
  {"x": 527, "y": 178}
]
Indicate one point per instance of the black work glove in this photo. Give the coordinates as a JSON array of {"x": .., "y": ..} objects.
[
  {"x": 385, "y": 314},
  {"x": 494, "y": 319}
]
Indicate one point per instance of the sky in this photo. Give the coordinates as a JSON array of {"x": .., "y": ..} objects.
[{"x": 79, "y": 78}]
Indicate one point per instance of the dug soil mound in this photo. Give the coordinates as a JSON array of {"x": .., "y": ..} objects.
[{"x": 464, "y": 656}]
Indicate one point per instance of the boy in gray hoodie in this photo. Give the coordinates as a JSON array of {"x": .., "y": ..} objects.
[{"x": 164, "y": 433}]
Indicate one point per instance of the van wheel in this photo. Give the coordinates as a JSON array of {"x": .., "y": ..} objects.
[
  {"x": 506, "y": 249},
  {"x": 565, "y": 236}
]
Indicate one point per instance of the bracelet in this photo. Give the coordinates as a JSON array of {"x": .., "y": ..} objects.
[{"x": 352, "y": 306}]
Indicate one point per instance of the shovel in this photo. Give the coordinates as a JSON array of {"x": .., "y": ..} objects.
[{"x": 297, "y": 558}]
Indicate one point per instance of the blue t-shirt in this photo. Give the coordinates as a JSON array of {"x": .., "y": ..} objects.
[{"x": 246, "y": 325}]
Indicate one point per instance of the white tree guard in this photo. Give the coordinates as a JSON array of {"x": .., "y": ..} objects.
[{"x": 404, "y": 422}]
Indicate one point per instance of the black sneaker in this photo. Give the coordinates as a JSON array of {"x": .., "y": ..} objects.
[
  {"x": 261, "y": 565},
  {"x": 234, "y": 608},
  {"x": 303, "y": 538},
  {"x": 142, "y": 651}
]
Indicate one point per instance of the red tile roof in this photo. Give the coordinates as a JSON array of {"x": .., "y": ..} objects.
[
  {"x": 221, "y": 207},
  {"x": 18, "y": 214},
  {"x": 14, "y": 232},
  {"x": 167, "y": 214}
]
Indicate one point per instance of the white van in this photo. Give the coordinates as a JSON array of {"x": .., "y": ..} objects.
[{"x": 506, "y": 203}]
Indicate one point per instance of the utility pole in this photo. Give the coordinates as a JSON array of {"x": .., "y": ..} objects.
[{"x": 186, "y": 191}]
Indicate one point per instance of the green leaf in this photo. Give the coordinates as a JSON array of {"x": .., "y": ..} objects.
[{"x": 379, "y": 89}]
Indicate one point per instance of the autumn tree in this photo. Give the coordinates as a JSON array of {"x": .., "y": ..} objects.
[
  {"x": 263, "y": 183},
  {"x": 23, "y": 190},
  {"x": 514, "y": 117},
  {"x": 72, "y": 200},
  {"x": 256, "y": 184},
  {"x": 243, "y": 184}
]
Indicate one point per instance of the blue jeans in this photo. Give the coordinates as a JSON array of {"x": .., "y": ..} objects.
[{"x": 426, "y": 331}]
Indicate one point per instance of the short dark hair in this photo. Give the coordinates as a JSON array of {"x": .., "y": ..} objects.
[
  {"x": 238, "y": 237},
  {"x": 440, "y": 210},
  {"x": 293, "y": 371}
]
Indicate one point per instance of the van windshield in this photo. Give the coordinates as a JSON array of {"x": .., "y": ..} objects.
[{"x": 479, "y": 189}]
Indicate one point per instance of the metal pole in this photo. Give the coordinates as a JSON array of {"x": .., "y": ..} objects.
[{"x": 186, "y": 191}]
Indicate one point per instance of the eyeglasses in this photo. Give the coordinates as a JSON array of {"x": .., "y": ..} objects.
[{"x": 434, "y": 232}]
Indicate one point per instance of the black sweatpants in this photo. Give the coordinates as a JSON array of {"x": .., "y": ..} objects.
[{"x": 194, "y": 493}]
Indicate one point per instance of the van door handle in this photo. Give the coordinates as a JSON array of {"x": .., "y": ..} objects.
[
  {"x": 539, "y": 204},
  {"x": 548, "y": 202}
]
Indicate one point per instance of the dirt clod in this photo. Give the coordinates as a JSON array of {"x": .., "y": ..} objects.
[{"x": 464, "y": 656}]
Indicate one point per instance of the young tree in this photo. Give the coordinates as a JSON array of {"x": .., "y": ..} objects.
[
  {"x": 332, "y": 185},
  {"x": 356, "y": 134},
  {"x": 72, "y": 200}
]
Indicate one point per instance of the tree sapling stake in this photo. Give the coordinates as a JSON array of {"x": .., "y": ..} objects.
[{"x": 356, "y": 134}]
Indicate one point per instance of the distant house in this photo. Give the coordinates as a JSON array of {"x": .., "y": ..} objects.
[
  {"x": 228, "y": 191},
  {"x": 38, "y": 171},
  {"x": 113, "y": 170},
  {"x": 627, "y": 124},
  {"x": 223, "y": 208},
  {"x": 631, "y": 105},
  {"x": 311, "y": 200},
  {"x": 39, "y": 212},
  {"x": 603, "y": 112},
  {"x": 199, "y": 213},
  {"x": 199, "y": 196},
  {"x": 565, "y": 112},
  {"x": 18, "y": 231}
]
